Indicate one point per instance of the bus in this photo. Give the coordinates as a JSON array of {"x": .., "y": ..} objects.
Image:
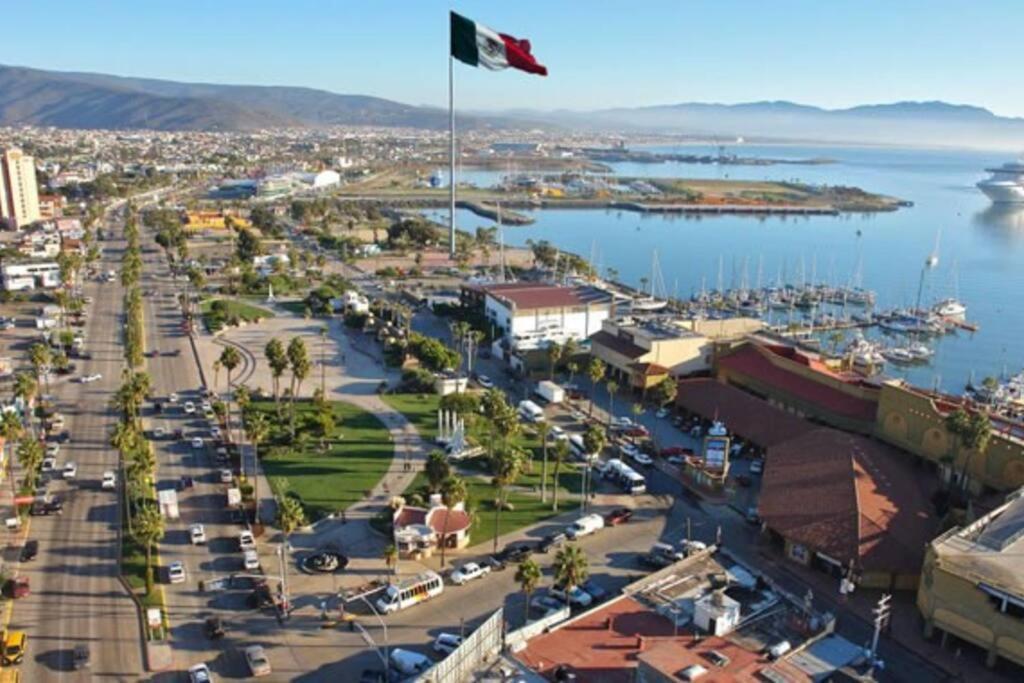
[
  {"x": 626, "y": 477},
  {"x": 410, "y": 592},
  {"x": 579, "y": 449}
]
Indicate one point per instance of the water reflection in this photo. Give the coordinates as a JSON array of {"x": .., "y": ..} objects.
[{"x": 1005, "y": 221}]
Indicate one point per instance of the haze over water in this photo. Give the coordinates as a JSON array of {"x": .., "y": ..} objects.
[{"x": 982, "y": 245}]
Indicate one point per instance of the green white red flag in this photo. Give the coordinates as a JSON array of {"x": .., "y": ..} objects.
[{"x": 477, "y": 45}]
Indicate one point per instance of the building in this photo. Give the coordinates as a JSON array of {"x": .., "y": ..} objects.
[
  {"x": 321, "y": 180},
  {"x": 915, "y": 420},
  {"x": 40, "y": 244},
  {"x": 972, "y": 584},
  {"x": 19, "y": 195},
  {"x": 28, "y": 276},
  {"x": 273, "y": 187},
  {"x": 847, "y": 504},
  {"x": 418, "y": 531},
  {"x": 531, "y": 314},
  {"x": 213, "y": 220},
  {"x": 51, "y": 206},
  {"x": 642, "y": 352}
]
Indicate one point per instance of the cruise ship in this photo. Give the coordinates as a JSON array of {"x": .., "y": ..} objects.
[{"x": 1006, "y": 184}]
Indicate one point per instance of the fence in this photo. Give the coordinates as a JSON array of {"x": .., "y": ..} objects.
[
  {"x": 481, "y": 646},
  {"x": 516, "y": 640}
]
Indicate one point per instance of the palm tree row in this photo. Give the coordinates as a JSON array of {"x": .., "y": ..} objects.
[
  {"x": 131, "y": 271},
  {"x": 293, "y": 358}
]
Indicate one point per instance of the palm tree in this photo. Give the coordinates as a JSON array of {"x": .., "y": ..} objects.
[
  {"x": 543, "y": 432},
  {"x": 30, "y": 456},
  {"x": 216, "y": 374},
  {"x": 437, "y": 470},
  {"x": 230, "y": 359},
  {"x": 256, "y": 429},
  {"x": 573, "y": 367},
  {"x": 664, "y": 395},
  {"x": 453, "y": 492},
  {"x": 595, "y": 371},
  {"x": 298, "y": 361},
  {"x": 25, "y": 387},
  {"x": 147, "y": 531},
  {"x": 975, "y": 439},
  {"x": 528, "y": 577},
  {"x": 612, "y": 386},
  {"x": 39, "y": 356},
  {"x": 571, "y": 567},
  {"x": 290, "y": 516},
  {"x": 391, "y": 559},
  {"x": 958, "y": 423},
  {"x": 11, "y": 429},
  {"x": 506, "y": 466},
  {"x": 278, "y": 361},
  {"x": 561, "y": 455},
  {"x": 554, "y": 355}
]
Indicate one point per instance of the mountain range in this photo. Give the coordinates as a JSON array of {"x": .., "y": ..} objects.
[{"x": 88, "y": 100}]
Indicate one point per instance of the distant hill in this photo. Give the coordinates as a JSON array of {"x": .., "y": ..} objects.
[
  {"x": 81, "y": 100},
  {"x": 908, "y": 123}
]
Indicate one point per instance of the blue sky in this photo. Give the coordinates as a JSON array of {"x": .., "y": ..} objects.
[{"x": 600, "y": 53}]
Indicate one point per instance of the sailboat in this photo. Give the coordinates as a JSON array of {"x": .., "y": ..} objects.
[
  {"x": 649, "y": 302},
  {"x": 951, "y": 307}
]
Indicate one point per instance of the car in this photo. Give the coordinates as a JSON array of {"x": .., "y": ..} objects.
[
  {"x": 550, "y": 541},
  {"x": 246, "y": 541},
  {"x": 546, "y": 603},
  {"x": 207, "y": 407},
  {"x": 179, "y": 434},
  {"x": 175, "y": 352},
  {"x": 17, "y": 587},
  {"x": 176, "y": 572},
  {"x": 87, "y": 379},
  {"x": 199, "y": 673},
  {"x": 49, "y": 465},
  {"x": 628, "y": 449},
  {"x": 675, "y": 460},
  {"x": 215, "y": 433},
  {"x": 468, "y": 572},
  {"x": 159, "y": 433},
  {"x": 642, "y": 459},
  {"x": 152, "y": 353},
  {"x": 556, "y": 433},
  {"x": 620, "y": 423},
  {"x": 173, "y": 398},
  {"x": 756, "y": 466},
  {"x": 158, "y": 408},
  {"x": 226, "y": 476},
  {"x": 70, "y": 470},
  {"x": 42, "y": 508},
  {"x": 209, "y": 415},
  {"x": 514, "y": 553},
  {"x": 189, "y": 407},
  {"x": 446, "y": 643},
  {"x": 197, "y": 442},
  {"x": 484, "y": 381},
  {"x": 618, "y": 516},
  {"x": 197, "y": 534},
  {"x": 669, "y": 451},
  {"x": 408, "y": 663},
  {"x": 81, "y": 658},
  {"x": 29, "y": 551},
  {"x": 257, "y": 660},
  {"x": 575, "y": 596},
  {"x": 185, "y": 482},
  {"x": 594, "y": 589},
  {"x": 662, "y": 412},
  {"x": 14, "y": 648},
  {"x": 637, "y": 431},
  {"x": 109, "y": 480},
  {"x": 752, "y": 516},
  {"x": 214, "y": 628},
  {"x": 693, "y": 547}
]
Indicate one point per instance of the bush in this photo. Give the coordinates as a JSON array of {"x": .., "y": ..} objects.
[
  {"x": 416, "y": 381},
  {"x": 355, "y": 320}
]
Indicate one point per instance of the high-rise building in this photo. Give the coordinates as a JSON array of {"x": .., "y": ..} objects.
[{"x": 19, "y": 197}]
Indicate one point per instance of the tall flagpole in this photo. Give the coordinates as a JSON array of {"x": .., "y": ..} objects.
[{"x": 451, "y": 158}]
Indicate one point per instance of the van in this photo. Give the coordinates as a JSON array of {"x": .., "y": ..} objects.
[
  {"x": 408, "y": 663},
  {"x": 584, "y": 526},
  {"x": 530, "y": 411},
  {"x": 666, "y": 552},
  {"x": 579, "y": 449}
]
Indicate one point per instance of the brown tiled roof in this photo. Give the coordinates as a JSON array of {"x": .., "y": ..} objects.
[
  {"x": 848, "y": 497},
  {"x": 756, "y": 361},
  {"x": 458, "y": 520},
  {"x": 408, "y": 516},
  {"x": 621, "y": 346},
  {"x": 746, "y": 415},
  {"x": 526, "y": 296}
]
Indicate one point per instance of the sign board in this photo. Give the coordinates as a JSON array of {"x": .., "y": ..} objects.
[
  {"x": 716, "y": 451},
  {"x": 154, "y": 617},
  {"x": 234, "y": 497}
]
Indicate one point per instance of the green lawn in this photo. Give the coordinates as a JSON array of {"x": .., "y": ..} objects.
[
  {"x": 229, "y": 309},
  {"x": 359, "y": 453},
  {"x": 420, "y": 409}
]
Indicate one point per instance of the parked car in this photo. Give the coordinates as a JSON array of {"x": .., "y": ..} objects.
[
  {"x": 618, "y": 516},
  {"x": 176, "y": 572},
  {"x": 575, "y": 595},
  {"x": 642, "y": 459},
  {"x": 189, "y": 407},
  {"x": 173, "y": 398},
  {"x": 159, "y": 432},
  {"x": 88, "y": 379},
  {"x": 197, "y": 534},
  {"x": 17, "y": 587},
  {"x": 109, "y": 480},
  {"x": 468, "y": 572},
  {"x": 446, "y": 643},
  {"x": 226, "y": 477},
  {"x": 49, "y": 465},
  {"x": 257, "y": 660},
  {"x": 70, "y": 470},
  {"x": 584, "y": 526},
  {"x": 662, "y": 412},
  {"x": 246, "y": 541},
  {"x": 756, "y": 466},
  {"x": 551, "y": 541},
  {"x": 197, "y": 442},
  {"x": 41, "y": 508},
  {"x": 594, "y": 589},
  {"x": 408, "y": 663},
  {"x": 484, "y": 381},
  {"x": 52, "y": 450},
  {"x": 30, "y": 550},
  {"x": 637, "y": 432},
  {"x": 250, "y": 560},
  {"x": 214, "y": 628},
  {"x": 514, "y": 553},
  {"x": 200, "y": 673},
  {"x": 81, "y": 658},
  {"x": 546, "y": 603}
]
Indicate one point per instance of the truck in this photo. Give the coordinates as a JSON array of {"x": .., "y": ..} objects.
[
  {"x": 584, "y": 526},
  {"x": 168, "y": 499},
  {"x": 530, "y": 411},
  {"x": 550, "y": 391}
]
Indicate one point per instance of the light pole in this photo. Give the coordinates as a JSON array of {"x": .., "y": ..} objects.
[
  {"x": 882, "y": 612},
  {"x": 369, "y": 640}
]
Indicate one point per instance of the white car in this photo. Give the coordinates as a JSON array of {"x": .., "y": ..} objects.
[
  {"x": 557, "y": 434},
  {"x": 207, "y": 407},
  {"x": 576, "y": 596},
  {"x": 70, "y": 470},
  {"x": 468, "y": 572},
  {"x": 189, "y": 407},
  {"x": 176, "y": 572},
  {"x": 226, "y": 477},
  {"x": 197, "y": 442},
  {"x": 200, "y": 673},
  {"x": 246, "y": 541},
  {"x": 445, "y": 643},
  {"x": 49, "y": 464},
  {"x": 250, "y": 560},
  {"x": 257, "y": 660},
  {"x": 86, "y": 379},
  {"x": 109, "y": 480},
  {"x": 215, "y": 432},
  {"x": 159, "y": 433},
  {"x": 52, "y": 450},
  {"x": 756, "y": 466},
  {"x": 629, "y": 450},
  {"x": 486, "y": 383},
  {"x": 197, "y": 534},
  {"x": 641, "y": 458},
  {"x": 173, "y": 398}
]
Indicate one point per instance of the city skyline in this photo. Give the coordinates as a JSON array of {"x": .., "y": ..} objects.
[{"x": 827, "y": 56}]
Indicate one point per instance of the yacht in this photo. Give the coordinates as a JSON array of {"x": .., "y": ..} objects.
[
  {"x": 950, "y": 308},
  {"x": 1006, "y": 184}
]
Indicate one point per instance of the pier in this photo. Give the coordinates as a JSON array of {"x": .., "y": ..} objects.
[{"x": 752, "y": 209}]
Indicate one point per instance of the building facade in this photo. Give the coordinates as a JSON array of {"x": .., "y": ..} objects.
[
  {"x": 28, "y": 276},
  {"x": 645, "y": 352},
  {"x": 19, "y": 196},
  {"x": 530, "y": 315}
]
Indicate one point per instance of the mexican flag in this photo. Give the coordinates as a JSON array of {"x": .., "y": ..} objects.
[{"x": 477, "y": 45}]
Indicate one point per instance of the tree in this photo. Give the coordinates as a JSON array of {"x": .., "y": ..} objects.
[
  {"x": 290, "y": 515},
  {"x": 278, "y": 362},
  {"x": 611, "y": 386},
  {"x": 229, "y": 360},
  {"x": 25, "y": 387},
  {"x": 506, "y": 466},
  {"x": 957, "y": 424},
  {"x": 257, "y": 430},
  {"x": 147, "y": 531},
  {"x": 12, "y": 430},
  {"x": 453, "y": 492},
  {"x": 528, "y": 577},
  {"x": 571, "y": 567},
  {"x": 39, "y": 357},
  {"x": 391, "y": 559},
  {"x": 543, "y": 432},
  {"x": 664, "y": 395},
  {"x": 974, "y": 437},
  {"x": 573, "y": 367},
  {"x": 554, "y": 355},
  {"x": 595, "y": 371},
  {"x": 437, "y": 470},
  {"x": 325, "y": 423},
  {"x": 594, "y": 439},
  {"x": 298, "y": 361},
  {"x": 561, "y": 455},
  {"x": 30, "y": 457}
]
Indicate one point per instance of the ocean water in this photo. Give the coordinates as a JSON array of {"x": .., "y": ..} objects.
[{"x": 980, "y": 247}]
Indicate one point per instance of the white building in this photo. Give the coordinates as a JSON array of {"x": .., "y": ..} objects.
[
  {"x": 321, "y": 180},
  {"x": 351, "y": 302},
  {"x": 19, "y": 195},
  {"x": 716, "y": 613},
  {"x": 531, "y": 314},
  {"x": 18, "y": 277},
  {"x": 267, "y": 263}
]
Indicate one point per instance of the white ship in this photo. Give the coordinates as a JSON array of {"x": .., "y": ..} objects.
[{"x": 1006, "y": 184}]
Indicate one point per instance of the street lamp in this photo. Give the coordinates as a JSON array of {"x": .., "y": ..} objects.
[{"x": 366, "y": 635}]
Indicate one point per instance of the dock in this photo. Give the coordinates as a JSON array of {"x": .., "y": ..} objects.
[{"x": 750, "y": 209}]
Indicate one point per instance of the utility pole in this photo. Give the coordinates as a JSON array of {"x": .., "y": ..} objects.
[{"x": 882, "y": 612}]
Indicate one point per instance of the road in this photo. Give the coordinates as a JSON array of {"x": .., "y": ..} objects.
[{"x": 76, "y": 594}]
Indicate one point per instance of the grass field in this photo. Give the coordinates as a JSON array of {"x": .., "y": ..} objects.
[
  {"x": 420, "y": 409},
  {"x": 359, "y": 452},
  {"x": 230, "y": 309}
]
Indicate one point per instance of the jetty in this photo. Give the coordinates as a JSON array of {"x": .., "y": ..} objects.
[{"x": 754, "y": 209}]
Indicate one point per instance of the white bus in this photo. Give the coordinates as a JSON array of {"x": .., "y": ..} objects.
[
  {"x": 579, "y": 449},
  {"x": 626, "y": 477},
  {"x": 410, "y": 592}
]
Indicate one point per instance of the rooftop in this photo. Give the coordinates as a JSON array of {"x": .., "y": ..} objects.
[{"x": 532, "y": 295}]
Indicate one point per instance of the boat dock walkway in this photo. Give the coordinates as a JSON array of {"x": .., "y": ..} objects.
[{"x": 766, "y": 209}]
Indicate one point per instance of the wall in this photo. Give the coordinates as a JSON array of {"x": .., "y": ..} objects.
[{"x": 516, "y": 640}]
